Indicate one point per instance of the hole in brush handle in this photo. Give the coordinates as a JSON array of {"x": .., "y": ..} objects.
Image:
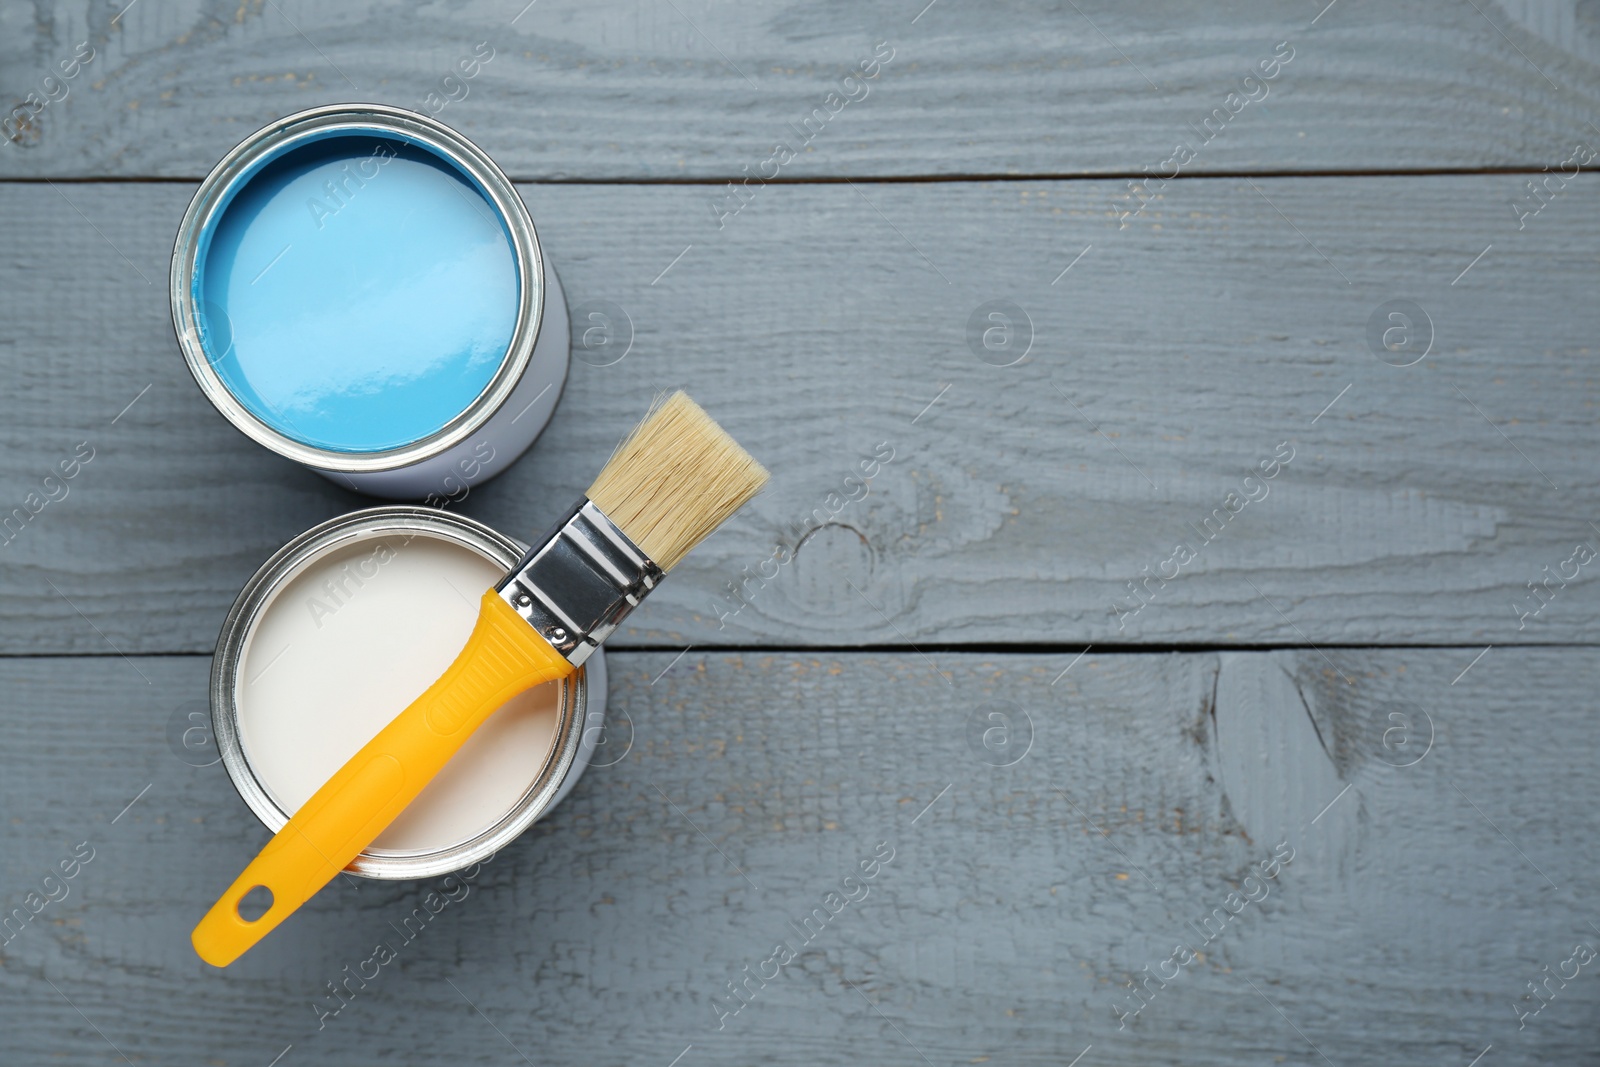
[{"x": 254, "y": 904}]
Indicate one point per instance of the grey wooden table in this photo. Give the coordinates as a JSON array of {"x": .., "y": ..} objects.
[{"x": 1287, "y": 770}]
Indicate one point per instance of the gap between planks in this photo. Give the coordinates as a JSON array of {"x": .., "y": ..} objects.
[
  {"x": 986, "y": 649},
  {"x": 885, "y": 179}
]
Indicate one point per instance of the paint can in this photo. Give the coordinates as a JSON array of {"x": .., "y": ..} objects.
[
  {"x": 337, "y": 633},
  {"x": 360, "y": 289}
]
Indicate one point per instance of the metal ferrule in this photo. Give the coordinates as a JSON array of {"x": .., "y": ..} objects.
[{"x": 579, "y": 582}]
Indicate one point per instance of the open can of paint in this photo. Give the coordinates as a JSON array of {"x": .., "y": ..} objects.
[
  {"x": 337, "y": 633},
  {"x": 360, "y": 288}
]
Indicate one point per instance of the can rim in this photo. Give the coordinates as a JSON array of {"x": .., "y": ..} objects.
[
  {"x": 228, "y": 176},
  {"x": 290, "y": 561}
]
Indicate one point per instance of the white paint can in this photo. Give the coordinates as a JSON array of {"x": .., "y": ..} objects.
[{"x": 337, "y": 633}]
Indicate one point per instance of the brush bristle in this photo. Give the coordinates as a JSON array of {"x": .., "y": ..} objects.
[{"x": 676, "y": 478}]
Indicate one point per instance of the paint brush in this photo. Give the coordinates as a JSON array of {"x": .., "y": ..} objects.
[{"x": 673, "y": 481}]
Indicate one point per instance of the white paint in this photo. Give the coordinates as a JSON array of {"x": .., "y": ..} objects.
[{"x": 346, "y": 646}]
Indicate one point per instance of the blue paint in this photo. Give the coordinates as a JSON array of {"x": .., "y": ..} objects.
[{"x": 357, "y": 293}]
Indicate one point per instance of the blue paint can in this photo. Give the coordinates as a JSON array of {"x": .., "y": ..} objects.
[{"x": 359, "y": 288}]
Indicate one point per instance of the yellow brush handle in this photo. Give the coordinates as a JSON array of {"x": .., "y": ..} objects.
[{"x": 503, "y": 657}]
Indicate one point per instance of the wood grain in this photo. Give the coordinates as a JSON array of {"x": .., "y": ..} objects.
[
  {"x": 907, "y": 675},
  {"x": 1141, "y": 790},
  {"x": 699, "y": 91},
  {"x": 1226, "y": 323}
]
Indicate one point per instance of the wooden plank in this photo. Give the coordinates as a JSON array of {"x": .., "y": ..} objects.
[
  {"x": 1024, "y": 890},
  {"x": 694, "y": 90},
  {"x": 1171, "y": 360}
]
